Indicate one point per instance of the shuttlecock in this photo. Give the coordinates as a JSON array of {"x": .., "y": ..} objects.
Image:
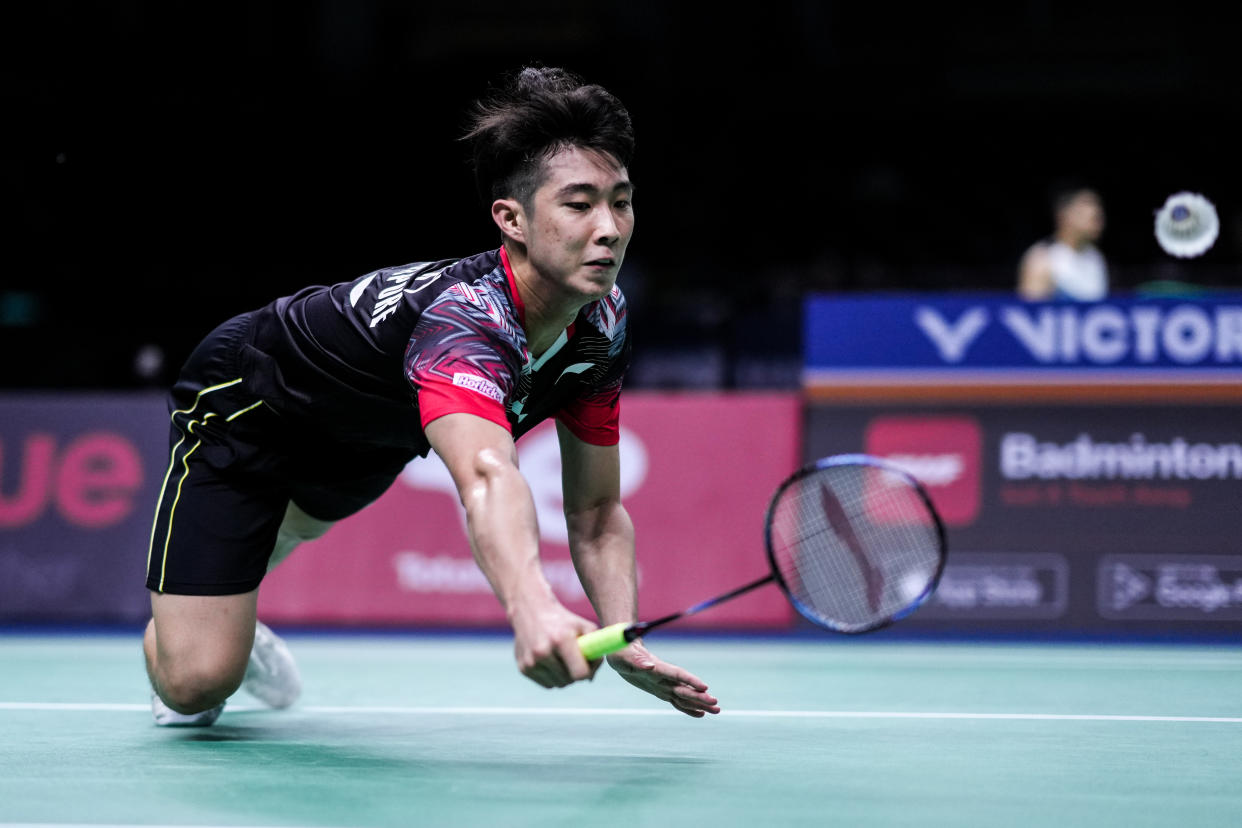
[{"x": 1187, "y": 225}]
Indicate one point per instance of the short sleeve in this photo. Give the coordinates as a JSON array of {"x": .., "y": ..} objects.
[
  {"x": 462, "y": 357},
  {"x": 595, "y": 419}
]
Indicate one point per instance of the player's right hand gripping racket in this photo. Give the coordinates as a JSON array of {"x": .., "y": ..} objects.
[{"x": 852, "y": 540}]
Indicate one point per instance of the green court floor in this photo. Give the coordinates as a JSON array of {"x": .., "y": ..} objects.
[{"x": 442, "y": 731}]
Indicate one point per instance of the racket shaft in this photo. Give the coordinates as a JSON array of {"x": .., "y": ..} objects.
[{"x": 615, "y": 636}]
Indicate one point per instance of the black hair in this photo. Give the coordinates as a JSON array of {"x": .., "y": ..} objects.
[
  {"x": 1065, "y": 190},
  {"x": 533, "y": 114}
]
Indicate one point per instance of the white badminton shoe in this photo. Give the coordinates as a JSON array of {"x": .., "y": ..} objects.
[
  {"x": 165, "y": 716},
  {"x": 272, "y": 675}
]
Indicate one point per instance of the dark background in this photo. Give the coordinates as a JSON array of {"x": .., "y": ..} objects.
[{"x": 166, "y": 164}]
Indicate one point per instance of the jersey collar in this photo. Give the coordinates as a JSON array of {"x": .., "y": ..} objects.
[{"x": 513, "y": 289}]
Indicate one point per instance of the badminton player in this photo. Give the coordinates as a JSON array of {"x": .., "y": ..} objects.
[
  {"x": 1068, "y": 266},
  {"x": 302, "y": 412}
]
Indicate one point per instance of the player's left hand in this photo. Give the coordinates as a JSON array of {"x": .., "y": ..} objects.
[{"x": 683, "y": 690}]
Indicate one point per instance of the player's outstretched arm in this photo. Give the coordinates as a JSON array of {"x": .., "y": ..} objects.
[
  {"x": 601, "y": 541},
  {"x": 504, "y": 537}
]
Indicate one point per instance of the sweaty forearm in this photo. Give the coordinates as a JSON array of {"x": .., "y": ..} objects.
[
  {"x": 601, "y": 541},
  {"x": 504, "y": 535}
]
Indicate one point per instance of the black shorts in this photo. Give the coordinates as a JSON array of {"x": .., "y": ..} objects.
[{"x": 235, "y": 465}]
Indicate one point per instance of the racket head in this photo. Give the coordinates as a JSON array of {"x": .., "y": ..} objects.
[{"x": 854, "y": 542}]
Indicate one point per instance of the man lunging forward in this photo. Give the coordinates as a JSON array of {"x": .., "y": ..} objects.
[{"x": 300, "y": 413}]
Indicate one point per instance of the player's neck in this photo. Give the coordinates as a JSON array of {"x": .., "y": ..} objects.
[
  {"x": 1072, "y": 240},
  {"x": 547, "y": 313}
]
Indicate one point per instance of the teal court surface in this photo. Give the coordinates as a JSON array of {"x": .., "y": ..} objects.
[{"x": 409, "y": 730}]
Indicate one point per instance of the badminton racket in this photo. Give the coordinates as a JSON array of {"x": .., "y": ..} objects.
[{"x": 852, "y": 540}]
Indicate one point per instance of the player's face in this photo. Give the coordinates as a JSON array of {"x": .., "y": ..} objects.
[
  {"x": 1085, "y": 216},
  {"x": 581, "y": 221}
]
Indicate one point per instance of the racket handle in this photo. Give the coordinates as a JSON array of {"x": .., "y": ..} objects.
[{"x": 606, "y": 640}]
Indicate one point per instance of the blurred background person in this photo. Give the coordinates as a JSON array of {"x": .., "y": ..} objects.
[{"x": 1068, "y": 265}]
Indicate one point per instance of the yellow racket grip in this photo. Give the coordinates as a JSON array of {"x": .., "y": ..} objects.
[{"x": 603, "y": 641}]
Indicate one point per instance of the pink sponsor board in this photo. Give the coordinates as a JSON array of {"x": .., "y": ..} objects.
[{"x": 698, "y": 470}]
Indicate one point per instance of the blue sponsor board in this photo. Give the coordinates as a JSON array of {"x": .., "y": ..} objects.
[
  {"x": 79, "y": 476},
  {"x": 988, "y": 333}
]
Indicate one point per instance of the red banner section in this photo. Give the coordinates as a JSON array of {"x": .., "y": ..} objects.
[{"x": 697, "y": 473}]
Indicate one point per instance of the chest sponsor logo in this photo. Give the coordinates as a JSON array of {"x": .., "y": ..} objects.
[{"x": 576, "y": 368}]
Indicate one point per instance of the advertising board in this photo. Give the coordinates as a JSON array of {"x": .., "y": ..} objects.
[
  {"x": 1070, "y": 519},
  {"x": 697, "y": 472},
  {"x": 79, "y": 475},
  {"x": 992, "y": 344}
]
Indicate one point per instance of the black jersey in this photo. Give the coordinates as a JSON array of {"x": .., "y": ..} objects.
[{"x": 372, "y": 361}]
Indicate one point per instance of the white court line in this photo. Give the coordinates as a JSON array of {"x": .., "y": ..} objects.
[
  {"x": 78, "y": 707},
  {"x": 119, "y": 825}
]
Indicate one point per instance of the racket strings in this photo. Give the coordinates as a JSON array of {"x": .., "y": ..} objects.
[{"x": 854, "y": 545}]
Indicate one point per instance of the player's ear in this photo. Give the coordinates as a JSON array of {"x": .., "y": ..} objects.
[{"x": 510, "y": 218}]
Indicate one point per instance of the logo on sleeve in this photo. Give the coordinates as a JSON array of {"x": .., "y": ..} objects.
[{"x": 480, "y": 385}]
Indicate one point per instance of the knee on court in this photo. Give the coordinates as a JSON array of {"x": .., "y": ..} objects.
[{"x": 191, "y": 685}]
